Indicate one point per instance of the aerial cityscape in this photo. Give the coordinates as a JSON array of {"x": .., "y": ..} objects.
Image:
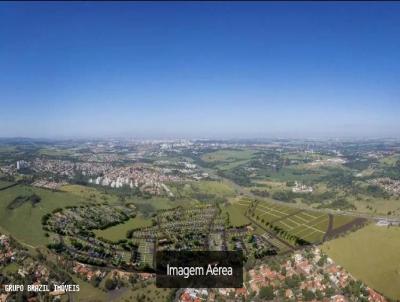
[{"x": 264, "y": 130}]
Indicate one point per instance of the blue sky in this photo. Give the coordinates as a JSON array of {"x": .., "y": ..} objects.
[{"x": 214, "y": 69}]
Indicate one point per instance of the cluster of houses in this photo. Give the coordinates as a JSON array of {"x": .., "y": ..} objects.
[
  {"x": 87, "y": 272},
  {"x": 7, "y": 253},
  {"x": 99, "y": 157},
  {"x": 315, "y": 273},
  {"x": 308, "y": 275},
  {"x": 69, "y": 169},
  {"x": 151, "y": 179},
  {"x": 8, "y": 169},
  {"x": 212, "y": 295},
  {"x": 198, "y": 228},
  {"x": 301, "y": 188},
  {"x": 24, "y": 268},
  {"x": 328, "y": 161},
  {"x": 78, "y": 222},
  {"x": 182, "y": 229},
  {"x": 73, "y": 219},
  {"x": 48, "y": 184},
  {"x": 388, "y": 184},
  {"x": 187, "y": 169}
]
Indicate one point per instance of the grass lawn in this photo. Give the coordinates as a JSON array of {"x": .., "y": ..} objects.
[
  {"x": 372, "y": 255},
  {"x": 119, "y": 231}
]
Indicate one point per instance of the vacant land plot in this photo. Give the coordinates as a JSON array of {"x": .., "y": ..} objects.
[
  {"x": 89, "y": 193},
  {"x": 236, "y": 213},
  {"x": 227, "y": 155},
  {"x": 295, "y": 173},
  {"x": 149, "y": 206},
  {"x": 228, "y": 159},
  {"x": 308, "y": 225},
  {"x": 219, "y": 188},
  {"x": 146, "y": 251},
  {"x": 88, "y": 292},
  {"x": 203, "y": 190},
  {"x": 377, "y": 205},
  {"x": 372, "y": 255},
  {"x": 339, "y": 221},
  {"x": 119, "y": 231}
]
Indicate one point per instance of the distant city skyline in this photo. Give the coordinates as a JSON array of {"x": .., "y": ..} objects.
[{"x": 199, "y": 70}]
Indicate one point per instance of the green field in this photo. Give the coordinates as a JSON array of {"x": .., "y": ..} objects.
[
  {"x": 145, "y": 205},
  {"x": 54, "y": 152},
  {"x": 89, "y": 193},
  {"x": 218, "y": 188},
  {"x": 10, "y": 268},
  {"x": 228, "y": 159},
  {"x": 227, "y": 155},
  {"x": 150, "y": 291},
  {"x": 372, "y": 255},
  {"x": 297, "y": 173},
  {"x": 202, "y": 191},
  {"x": 340, "y": 220},
  {"x": 7, "y": 149},
  {"x": 4, "y": 184},
  {"x": 236, "y": 213},
  {"x": 24, "y": 222},
  {"x": 152, "y": 205},
  {"x": 389, "y": 160},
  {"x": 88, "y": 292},
  {"x": 377, "y": 205},
  {"x": 119, "y": 231}
]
